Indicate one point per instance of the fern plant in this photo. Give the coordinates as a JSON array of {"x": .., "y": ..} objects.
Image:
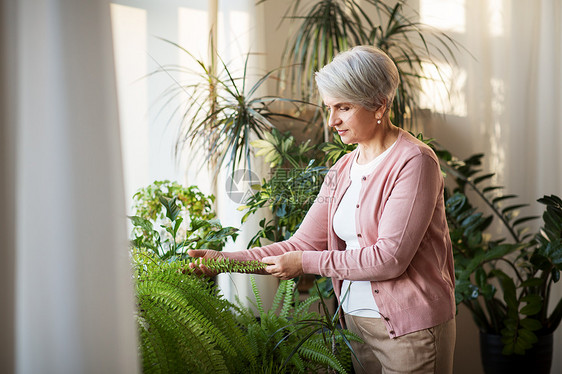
[
  {"x": 296, "y": 339},
  {"x": 186, "y": 326}
]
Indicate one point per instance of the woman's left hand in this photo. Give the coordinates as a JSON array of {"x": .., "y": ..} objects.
[{"x": 286, "y": 266}]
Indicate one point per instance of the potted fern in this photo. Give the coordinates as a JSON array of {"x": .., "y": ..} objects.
[
  {"x": 186, "y": 325},
  {"x": 515, "y": 324}
]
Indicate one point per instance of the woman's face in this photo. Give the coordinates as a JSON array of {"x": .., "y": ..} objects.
[{"x": 353, "y": 122}]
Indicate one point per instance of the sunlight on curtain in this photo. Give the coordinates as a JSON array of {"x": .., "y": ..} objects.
[
  {"x": 444, "y": 91},
  {"x": 129, "y": 26},
  {"x": 445, "y": 15},
  {"x": 194, "y": 36},
  {"x": 496, "y": 10}
]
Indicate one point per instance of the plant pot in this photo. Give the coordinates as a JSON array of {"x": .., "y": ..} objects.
[{"x": 536, "y": 360}]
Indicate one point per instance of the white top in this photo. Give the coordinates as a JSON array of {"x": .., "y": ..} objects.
[{"x": 356, "y": 296}]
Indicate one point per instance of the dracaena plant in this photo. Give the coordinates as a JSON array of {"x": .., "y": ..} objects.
[
  {"x": 223, "y": 110},
  {"x": 326, "y": 27}
]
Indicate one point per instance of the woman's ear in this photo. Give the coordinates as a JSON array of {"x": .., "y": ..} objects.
[{"x": 379, "y": 113}]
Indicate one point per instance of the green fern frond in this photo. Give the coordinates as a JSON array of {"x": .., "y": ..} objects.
[
  {"x": 278, "y": 297},
  {"x": 256, "y": 292},
  {"x": 318, "y": 352},
  {"x": 186, "y": 345},
  {"x": 305, "y": 305},
  {"x": 288, "y": 290},
  {"x": 185, "y": 325},
  {"x": 225, "y": 265}
]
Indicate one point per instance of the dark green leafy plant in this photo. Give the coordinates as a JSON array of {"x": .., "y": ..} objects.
[
  {"x": 523, "y": 267},
  {"x": 171, "y": 219},
  {"x": 147, "y": 204}
]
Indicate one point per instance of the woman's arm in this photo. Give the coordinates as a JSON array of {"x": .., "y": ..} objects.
[
  {"x": 403, "y": 224},
  {"x": 312, "y": 235}
]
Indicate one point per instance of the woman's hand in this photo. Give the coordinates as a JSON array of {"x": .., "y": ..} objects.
[
  {"x": 286, "y": 266},
  {"x": 204, "y": 254}
]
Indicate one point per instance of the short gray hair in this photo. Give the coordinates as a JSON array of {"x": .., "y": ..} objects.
[{"x": 363, "y": 75}]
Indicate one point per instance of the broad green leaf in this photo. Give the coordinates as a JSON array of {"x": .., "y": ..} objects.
[
  {"x": 508, "y": 287},
  {"x": 534, "y": 305},
  {"x": 530, "y": 324},
  {"x": 532, "y": 282},
  {"x": 480, "y": 277}
]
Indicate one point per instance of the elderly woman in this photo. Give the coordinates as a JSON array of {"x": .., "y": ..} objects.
[{"x": 378, "y": 229}]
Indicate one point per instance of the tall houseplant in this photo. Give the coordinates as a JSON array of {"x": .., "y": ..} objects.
[
  {"x": 223, "y": 111},
  {"x": 327, "y": 27},
  {"x": 524, "y": 267}
]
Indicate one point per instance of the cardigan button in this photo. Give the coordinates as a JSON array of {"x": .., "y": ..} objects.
[
  {"x": 392, "y": 332},
  {"x": 364, "y": 178},
  {"x": 386, "y": 319},
  {"x": 357, "y": 206},
  {"x": 358, "y": 235},
  {"x": 376, "y": 291}
]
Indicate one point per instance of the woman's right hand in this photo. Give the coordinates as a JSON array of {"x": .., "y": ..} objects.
[{"x": 204, "y": 254}]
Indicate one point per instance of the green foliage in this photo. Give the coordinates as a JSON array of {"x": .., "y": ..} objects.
[
  {"x": 280, "y": 149},
  {"x": 223, "y": 112},
  {"x": 224, "y": 265},
  {"x": 524, "y": 266},
  {"x": 147, "y": 204},
  {"x": 186, "y": 326},
  {"x": 327, "y": 27},
  {"x": 335, "y": 149},
  {"x": 294, "y": 183},
  {"x": 295, "y": 339},
  {"x": 170, "y": 219}
]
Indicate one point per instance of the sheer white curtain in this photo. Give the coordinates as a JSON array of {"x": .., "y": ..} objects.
[
  {"x": 509, "y": 100},
  {"x": 72, "y": 295}
]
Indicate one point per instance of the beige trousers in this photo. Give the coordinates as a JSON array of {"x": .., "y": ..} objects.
[{"x": 426, "y": 351}]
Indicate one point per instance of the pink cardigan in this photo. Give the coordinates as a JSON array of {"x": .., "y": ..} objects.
[{"x": 401, "y": 225}]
